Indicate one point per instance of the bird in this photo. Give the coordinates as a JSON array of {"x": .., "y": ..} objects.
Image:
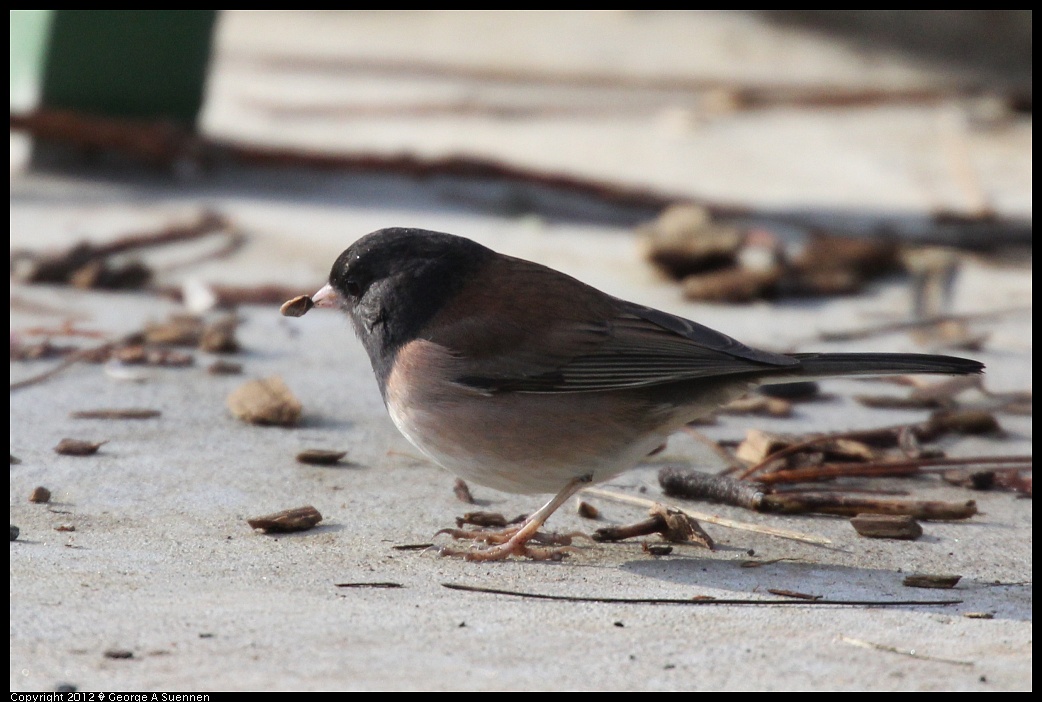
[{"x": 518, "y": 377}]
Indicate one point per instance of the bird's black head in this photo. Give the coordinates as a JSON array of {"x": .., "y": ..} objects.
[{"x": 393, "y": 281}]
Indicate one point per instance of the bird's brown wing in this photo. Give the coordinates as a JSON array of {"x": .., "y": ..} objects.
[{"x": 578, "y": 339}]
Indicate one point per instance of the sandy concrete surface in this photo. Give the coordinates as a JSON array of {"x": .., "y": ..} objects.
[{"x": 162, "y": 563}]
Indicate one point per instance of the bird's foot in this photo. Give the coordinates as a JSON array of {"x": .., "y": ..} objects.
[
  {"x": 505, "y": 550},
  {"x": 512, "y": 541}
]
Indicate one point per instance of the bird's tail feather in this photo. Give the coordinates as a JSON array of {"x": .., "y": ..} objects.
[{"x": 825, "y": 365}]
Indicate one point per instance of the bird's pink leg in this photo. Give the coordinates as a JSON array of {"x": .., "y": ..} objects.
[{"x": 515, "y": 539}]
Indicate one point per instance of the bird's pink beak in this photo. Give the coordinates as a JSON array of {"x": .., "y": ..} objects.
[{"x": 326, "y": 297}]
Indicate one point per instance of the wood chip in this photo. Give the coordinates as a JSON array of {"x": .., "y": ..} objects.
[
  {"x": 656, "y": 549},
  {"x": 733, "y": 285},
  {"x": 680, "y": 528},
  {"x": 896, "y": 402},
  {"x": 964, "y": 422},
  {"x": 266, "y": 401},
  {"x": 130, "y": 413},
  {"x": 887, "y": 526},
  {"x": 792, "y": 593},
  {"x": 685, "y": 240},
  {"x": 973, "y": 479},
  {"x": 179, "y": 330},
  {"x": 219, "y": 336},
  {"x": 939, "y": 582},
  {"x": 297, "y": 307},
  {"x": 221, "y": 367},
  {"x": 298, "y": 519},
  {"x": 462, "y": 491},
  {"x": 139, "y": 354},
  {"x": 587, "y": 510},
  {"x": 320, "y": 457},
  {"x": 760, "y": 444},
  {"x": 119, "y": 653},
  {"x": 482, "y": 519},
  {"x": 78, "y": 447},
  {"x": 40, "y": 495}
]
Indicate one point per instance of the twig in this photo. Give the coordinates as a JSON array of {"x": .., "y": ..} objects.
[
  {"x": 892, "y": 649},
  {"x": 851, "y": 506},
  {"x": 70, "y": 360},
  {"x": 885, "y": 468},
  {"x": 711, "y": 518},
  {"x": 890, "y": 436},
  {"x": 61, "y": 268},
  {"x": 720, "y": 488},
  {"x": 163, "y": 144},
  {"x": 690, "y": 601}
]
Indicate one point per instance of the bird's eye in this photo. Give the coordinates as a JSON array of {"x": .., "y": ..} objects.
[{"x": 353, "y": 288}]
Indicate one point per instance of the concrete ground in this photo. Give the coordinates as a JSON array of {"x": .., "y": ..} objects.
[{"x": 162, "y": 563}]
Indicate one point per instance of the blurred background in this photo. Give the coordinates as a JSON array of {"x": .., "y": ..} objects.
[{"x": 913, "y": 125}]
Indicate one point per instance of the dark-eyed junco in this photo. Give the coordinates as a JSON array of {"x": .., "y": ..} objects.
[{"x": 521, "y": 378}]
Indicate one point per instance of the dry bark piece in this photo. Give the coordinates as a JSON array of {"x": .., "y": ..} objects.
[
  {"x": 38, "y": 351},
  {"x": 107, "y": 276},
  {"x": 139, "y": 354},
  {"x": 320, "y": 457},
  {"x": 792, "y": 593},
  {"x": 65, "y": 527},
  {"x": 893, "y": 402},
  {"x": 482, "y": 519},
  {"x": 731, "y": 285},
  {"x": 672, "y": 524},
  {"x": 935, "y": 581},
  {"x": 680, "y": 528},
  {"x": 657, "y": 549},
  {"x": 219, "y": 336},
  {"x": 887, "y": 526},
  {"x": 973, "y": 479},
  {"x": 462, "y": 491},
  {"x": 297, "y": 307},
  {"x": 685, "y": 240},
  {"x": 179, "y": 330},
  {"x": 130, "y": 413},
  {"x": 222, "y": 367},
  {"x": 267, "y": 401},
  {"x": 40, "y": 495},
  {"x": 962, "y": 422},
  {"x": 77, "y": 447},
  {"x": 760, "y": 444},
  {"x": 587, "y": 511},
  {"x": 298, "y": 519},
  {"x": 864, "y": 257},
  {"x": 119, "y": 653}
]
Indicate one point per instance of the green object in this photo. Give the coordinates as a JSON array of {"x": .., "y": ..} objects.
[
  {"x": 29, "y": 32},
  {"x": 136, "y": 64}
]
